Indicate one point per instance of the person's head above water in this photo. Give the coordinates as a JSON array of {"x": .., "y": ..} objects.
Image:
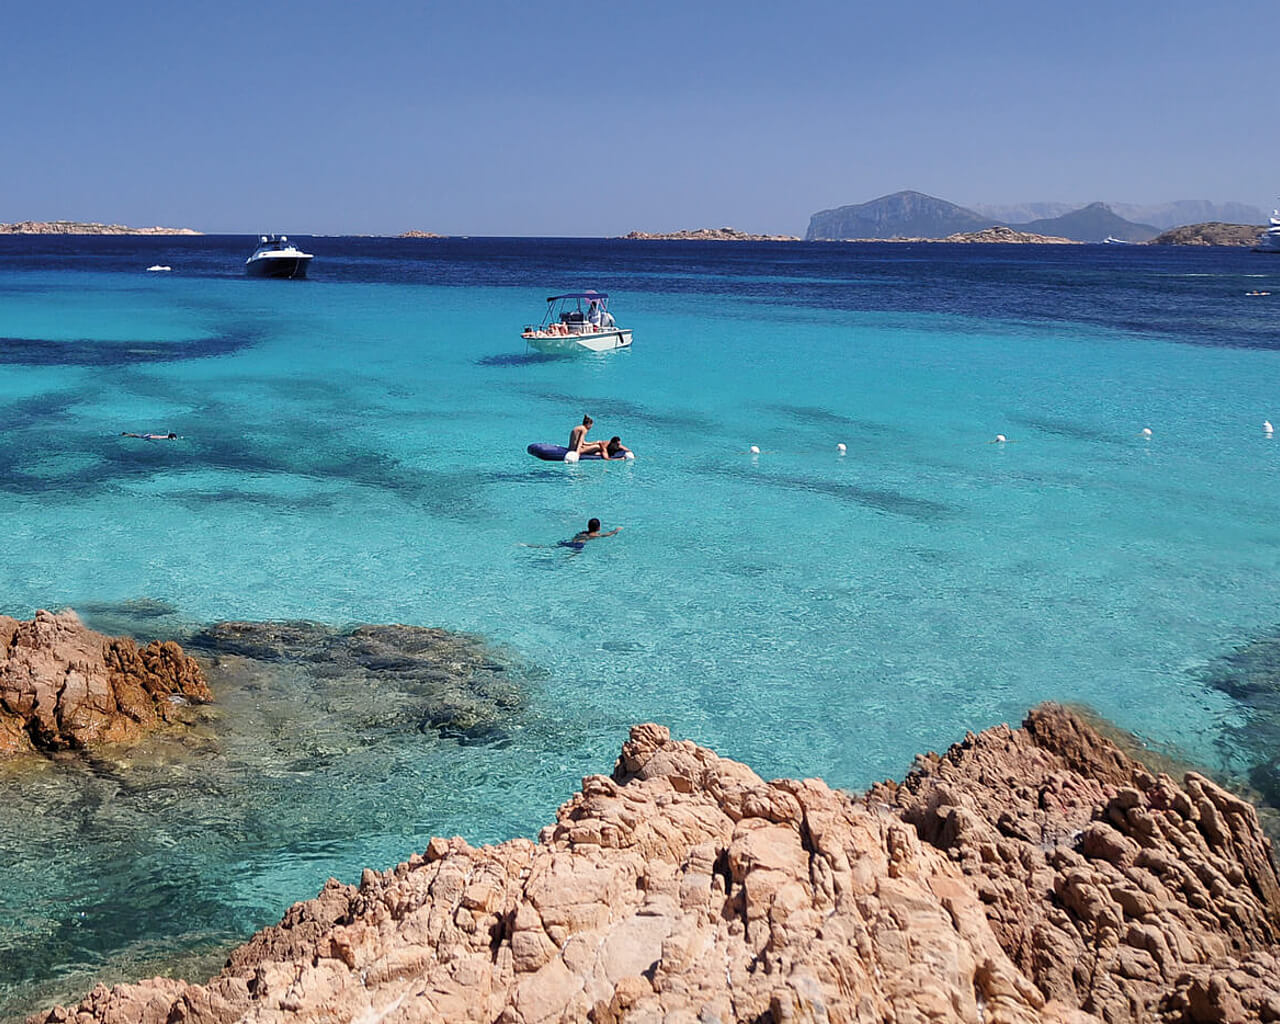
[{"x": 593, "y": 526}]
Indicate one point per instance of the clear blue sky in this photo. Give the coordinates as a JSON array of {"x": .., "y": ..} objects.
[{"x": 533, "y": 118}]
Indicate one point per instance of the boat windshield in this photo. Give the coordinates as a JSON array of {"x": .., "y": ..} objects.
[{"x": 576, "y": 308}]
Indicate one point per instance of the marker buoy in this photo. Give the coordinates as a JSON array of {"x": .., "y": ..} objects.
[
  {"x": 571, "y": 457},
  {"x": 1267, "y": 428},
  {"x": 1001, "y": 439},
  {"x": 755, "y": 449},
  {"x": 841, "y": 448},
  {"x": 1146, "y": 431}
]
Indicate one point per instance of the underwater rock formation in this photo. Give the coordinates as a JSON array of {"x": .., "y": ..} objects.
[
  {"x": 1026, "y": 875},
  {"x": 388, "y": 677},
  {"x": 64, "y": 686}
]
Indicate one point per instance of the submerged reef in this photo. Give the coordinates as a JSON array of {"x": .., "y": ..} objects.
[
  {"x": 1036, "y": 874},
  {"x": 64, "y": 686},
  {"x": 388, "y": 677},
  {"x": 1250, "y": 674}
]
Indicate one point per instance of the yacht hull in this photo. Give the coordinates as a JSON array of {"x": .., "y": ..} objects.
[{"x": 291, "y": 267}]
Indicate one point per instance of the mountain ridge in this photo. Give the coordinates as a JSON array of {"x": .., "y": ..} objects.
[{"x": 911, "y": 214}]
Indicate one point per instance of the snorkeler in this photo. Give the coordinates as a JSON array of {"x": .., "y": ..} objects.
[{"x": 151, "y": 437}]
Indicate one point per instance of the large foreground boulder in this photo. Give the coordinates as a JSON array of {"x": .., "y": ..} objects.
[
  {"x": 1030, "y": 875},
  {"x": 63, "y": 686}
]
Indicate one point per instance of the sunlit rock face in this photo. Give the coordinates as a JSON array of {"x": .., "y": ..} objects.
[
  {"x": 1036, "y": 874},
  {"x": 63, "y": 686}
]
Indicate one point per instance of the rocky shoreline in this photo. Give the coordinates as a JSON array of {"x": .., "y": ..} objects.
[
  {"x": 1033, "y": 874},
  {"x": 76, "y": 227}
]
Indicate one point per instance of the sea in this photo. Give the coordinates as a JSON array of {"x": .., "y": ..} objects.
[{"x": 827, "y": 563}]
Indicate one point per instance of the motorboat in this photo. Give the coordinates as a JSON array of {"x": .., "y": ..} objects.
[
  {"x": 1112, "y": 240},
  {"x": 1270, "y": 240},
  {"x": 276, "y": 256},
  {"x": 577, "y": 322}
]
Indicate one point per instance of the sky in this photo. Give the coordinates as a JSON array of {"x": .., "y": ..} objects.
[{"x": 490, "y": 117}]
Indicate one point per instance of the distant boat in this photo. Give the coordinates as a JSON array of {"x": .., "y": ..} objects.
[
  {"x": 157, "y": 266},
  {"x": 1270, "y": 241},
  {"x": 1112, "y": 240},
  {"x": 276, "y": 256},
  {"x": 567, "y": 327}
]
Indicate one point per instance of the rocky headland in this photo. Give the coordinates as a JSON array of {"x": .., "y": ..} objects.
[
  {"x": 1033, "y": 874},
  {"x": 420, "y": 234},
  {"x": 1211, "y": 233},
  {"x": 76, "y": 227},
  {"x": 708, "y": 235},
  {"x": 63, "y": 686}
]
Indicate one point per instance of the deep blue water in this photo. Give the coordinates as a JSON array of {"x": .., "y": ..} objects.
[{"x": 353, "y": 451}]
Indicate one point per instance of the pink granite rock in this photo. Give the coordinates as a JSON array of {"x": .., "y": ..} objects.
[
  {"x": 999, "y": 884},
  {"x": 64, "y": 686}
]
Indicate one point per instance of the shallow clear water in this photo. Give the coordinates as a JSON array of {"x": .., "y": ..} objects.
[{"x": 353, "y": 451}]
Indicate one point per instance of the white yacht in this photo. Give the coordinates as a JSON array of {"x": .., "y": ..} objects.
[
  {"x": 276, "y": 256},
  {"x": 568, "y": 327},
  {"x": 1270, "y": 240}
]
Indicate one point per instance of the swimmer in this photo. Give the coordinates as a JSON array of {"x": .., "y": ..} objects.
[
  {"x": 579, "y": 540},
  {"x": 615, "y": 449},
  {"x": 151, "y": 437}
]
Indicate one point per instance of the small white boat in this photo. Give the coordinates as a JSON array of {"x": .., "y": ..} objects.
[
  {"x": 577, "y": 322},
  {"x": 276, "y": 256},
  {"x": 1270, "y": 240},
  {"x": 1112, "y": 240},
  {"x": 156, "y": 267}
]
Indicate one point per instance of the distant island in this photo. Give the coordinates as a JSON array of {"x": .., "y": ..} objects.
[
  {"x": 420, "y": 234},
  {"x": 76, "y": 227},
  {"x": 709, "y": 235},
  {"x": 1211, "y": 233},
  {"x": 993, "y": 235}
]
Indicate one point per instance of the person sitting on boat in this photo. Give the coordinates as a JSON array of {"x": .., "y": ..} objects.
[
  {"x": 593, "y": 315},
  {"x": 615, "y": 449},
  {"x": 578, "y": 441}
]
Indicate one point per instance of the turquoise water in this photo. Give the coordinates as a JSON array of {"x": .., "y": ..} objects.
[{"x": 353, "y": 451}]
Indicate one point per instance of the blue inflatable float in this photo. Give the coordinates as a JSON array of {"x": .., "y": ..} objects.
[{"x": 557, "y": 452}]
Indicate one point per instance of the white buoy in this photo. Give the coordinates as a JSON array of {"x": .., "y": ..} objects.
[
  {"x": 630, "y": 455},
  {"x": 841, "y": 448},
  {"x": 755, "y": 449},
  {"x": 1001, "y": 439},
  {"x": 1267, "y": 428},
  {"x": 571, "y": 457},
  {"x": 1146, "y": 431}
]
